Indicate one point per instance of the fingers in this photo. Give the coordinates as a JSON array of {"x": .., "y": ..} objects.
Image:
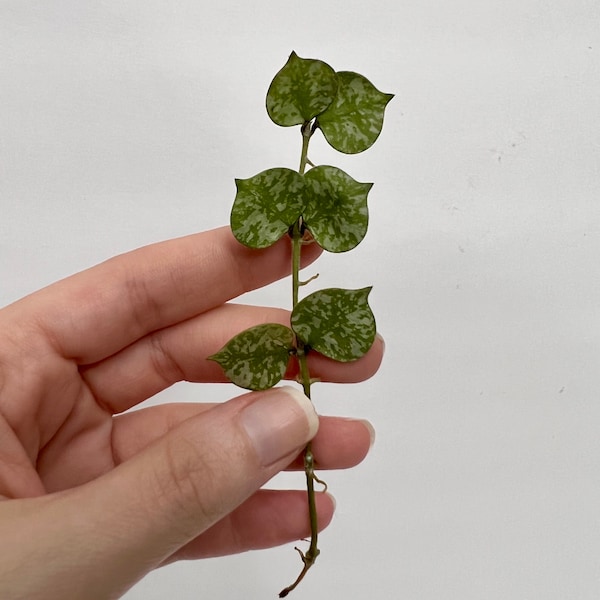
[
  {"x": 340, "y": 443},
  {"x": 98, "y": 312},
  {"x": 268, "y": 518},
  {"x": 135, "y": 517},
  {"x": 180, "y": 353}
]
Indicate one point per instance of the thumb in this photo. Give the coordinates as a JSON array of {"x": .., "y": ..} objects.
[{"x": 127, "y": 522}]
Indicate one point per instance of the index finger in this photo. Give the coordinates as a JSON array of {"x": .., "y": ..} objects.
[{"x": 97, "y": 312}]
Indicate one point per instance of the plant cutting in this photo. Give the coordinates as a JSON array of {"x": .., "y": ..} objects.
[{"x": 314, "y": 204}]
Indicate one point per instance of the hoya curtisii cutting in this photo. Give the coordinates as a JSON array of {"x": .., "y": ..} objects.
[{"x": 314, "y": 204}]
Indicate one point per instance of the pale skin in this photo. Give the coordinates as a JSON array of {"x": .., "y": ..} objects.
[{"x": 94, "y": 496}]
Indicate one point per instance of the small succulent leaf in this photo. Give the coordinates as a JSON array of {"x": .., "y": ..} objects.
[
  {"x": 337, "y": 323},
  {"x": 257, "y": 358},
  {"x": 354, "y": 120},
  {"x": 336, "y": 212},
  {"x": 301, "y": 90},
  {"x": 266, "y": 205}
]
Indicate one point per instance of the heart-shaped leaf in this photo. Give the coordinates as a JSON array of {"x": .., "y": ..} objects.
[
  {"x": 256, "y": 359},
  {"x": 354, "y": 120},
  {"x": 266, "y": 205},
  {"x": 301, "y": 90},
  {"x": 336, "y": 212},
  {"x": 337, "y": 323}
]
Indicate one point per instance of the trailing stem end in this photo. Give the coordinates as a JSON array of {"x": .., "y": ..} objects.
[
  {"x": 310, "y": 556},
  {"x": 308, "y": 559}
]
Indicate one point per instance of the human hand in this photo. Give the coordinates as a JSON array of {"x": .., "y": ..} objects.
[{"x": 94, "y": 497}]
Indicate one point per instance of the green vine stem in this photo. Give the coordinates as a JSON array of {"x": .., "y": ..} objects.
[{"x": 310, "y": 556}]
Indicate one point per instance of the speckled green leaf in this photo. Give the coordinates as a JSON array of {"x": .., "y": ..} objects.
[
  {"x": 266, "y": 205},
  {"x": 336, "y": 212},
  {"x": 354, "y": 120},
  {"x": 301, "y": 90},
  {"x": 257, "y": 358},
  {"x": 337, "y": 323}
]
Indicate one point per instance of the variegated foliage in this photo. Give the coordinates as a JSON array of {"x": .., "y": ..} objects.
[{"x": 324, "y": 200}]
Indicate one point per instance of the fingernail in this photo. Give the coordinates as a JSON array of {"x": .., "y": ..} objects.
[
  {"x": 371, "y": 431},
  {"x": 367, "y": 425},
  {"x": 380, "y": 338},
  {"x": 333, "y": 500},
  {"x": 278, "y": 423}
]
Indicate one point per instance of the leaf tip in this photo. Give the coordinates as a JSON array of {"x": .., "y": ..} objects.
[
  {"x": 215, "y": 357},
  {"x": 365, "y": 291}
]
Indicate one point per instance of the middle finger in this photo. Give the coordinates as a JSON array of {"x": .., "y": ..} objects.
[{"x": 179, "y": 353}]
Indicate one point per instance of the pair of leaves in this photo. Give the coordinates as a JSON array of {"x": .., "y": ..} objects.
[
  {"x": 331, "y": 203},
  {"x": 348, "y": 108},
  {"x": 335, "y": 322}
]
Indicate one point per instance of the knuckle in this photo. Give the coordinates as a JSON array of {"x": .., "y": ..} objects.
[
  {"x": 187, "y": 481},
  {"x": 164, "y": 364},
  {"x": 145, "y": 310}
]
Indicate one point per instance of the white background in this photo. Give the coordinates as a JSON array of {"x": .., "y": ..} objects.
[{"x": 123, "y": 123}]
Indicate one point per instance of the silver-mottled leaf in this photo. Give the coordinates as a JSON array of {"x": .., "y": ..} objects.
[
  {"x": 266, "y": 205},
  {"x": 354, "y": 120},
  {"x": 257, "y": 358},
  {"x": 336, "y": 212},
  {"x": 337, "y": 323},
  {"x": 301, "y": 90}
]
